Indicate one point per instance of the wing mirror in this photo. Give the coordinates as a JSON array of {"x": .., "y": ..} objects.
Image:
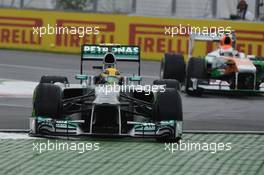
[
  {"x": 81, "y": 77},
  {"x": 135, "y": 78},
  {"x": 98, "y": 67}
]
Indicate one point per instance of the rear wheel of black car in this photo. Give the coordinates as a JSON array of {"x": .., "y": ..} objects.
[
  {"x": 170, "y": 83},
  {"x": 47, "y": 101},
  {"x": 173, "y": 67},
  {"x": 168, "y": 107},
  {"x": 54, "y": 79},
  {"x": 196, "y": 68}
]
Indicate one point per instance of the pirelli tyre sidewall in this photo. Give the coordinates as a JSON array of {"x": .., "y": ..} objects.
[
  {"x": 47, "y": 101},
  {"x": 168, "y": 105},
  {"x": 173, "y": 67},
  {"x": 196, "y": 68}
]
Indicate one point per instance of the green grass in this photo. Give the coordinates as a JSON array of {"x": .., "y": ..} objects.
[{"x": 135, "y": 156}]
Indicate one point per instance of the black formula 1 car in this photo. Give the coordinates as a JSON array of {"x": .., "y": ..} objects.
[{"x": 107, "y": 104}]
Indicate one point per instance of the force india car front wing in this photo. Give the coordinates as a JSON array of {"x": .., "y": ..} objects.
[{"x": 219, "y": 85}]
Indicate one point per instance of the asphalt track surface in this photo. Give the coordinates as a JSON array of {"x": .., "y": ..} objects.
[{"x": 209, "y": 112}]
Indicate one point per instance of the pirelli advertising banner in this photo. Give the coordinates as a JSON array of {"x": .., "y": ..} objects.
[{"x": 66, "y": 32}]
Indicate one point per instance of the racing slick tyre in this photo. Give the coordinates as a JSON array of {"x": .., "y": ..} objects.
[
  {"x": 168, "y": 106},
  {"x": 195, "y": 69},
  {"x": 173, "y": 67},
  {"x": 54, "y": 79},
  {"x": 47, "y": 100},
  {"x": 170, "y": 83}
]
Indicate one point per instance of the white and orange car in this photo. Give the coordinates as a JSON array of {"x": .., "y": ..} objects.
[{"x": 224, "y": 69}]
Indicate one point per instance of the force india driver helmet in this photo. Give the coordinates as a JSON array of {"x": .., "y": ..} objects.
[{"x": 228, "y": 41}]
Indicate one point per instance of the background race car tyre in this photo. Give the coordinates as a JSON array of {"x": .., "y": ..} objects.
[
  {"x": 170, "y": 83},
  {"x": 196, "y": 68},
  {"x": 54, "y": 79},
  {"x": 47, "y": 100},
  {"x": 168, "y": 106},
  {"x": 173, "y": 67}
]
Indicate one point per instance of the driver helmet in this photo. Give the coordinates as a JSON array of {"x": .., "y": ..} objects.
[
  {"x": 227, "y": 44},
  {"x": 111, "y": 71},
  {"x": 111, "y": 76},
  {"x": 228, "y": 40}
]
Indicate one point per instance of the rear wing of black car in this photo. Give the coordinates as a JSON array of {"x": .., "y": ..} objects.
[{"x": 121, "y": 52}]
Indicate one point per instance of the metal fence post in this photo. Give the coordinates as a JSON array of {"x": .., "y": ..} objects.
[
  {"x": 134, "y": 6},
  {"x": 95, "y": 5},
  {"x": 173, "y": 7},
  {"x": 257, "y": 6},
  {"x": 56, "y": 5},
  {"x": 214, "y": 8},
  {"x": 21, "y": 4}
]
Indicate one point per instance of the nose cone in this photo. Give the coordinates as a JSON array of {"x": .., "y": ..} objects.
[
  {"x": 245, "y": 66},
  {"x": 247, "y": 69}
]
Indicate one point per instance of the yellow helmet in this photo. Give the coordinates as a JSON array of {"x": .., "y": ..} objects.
[{"x": 111, "y": 72}]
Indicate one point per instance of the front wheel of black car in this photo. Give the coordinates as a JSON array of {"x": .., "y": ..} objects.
[
  {"x": 196, "y": 68},
  {"x": 47, "y": 101},
  {"x": 173, "y": 67},
  {"x": 168, "y": 107}
]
